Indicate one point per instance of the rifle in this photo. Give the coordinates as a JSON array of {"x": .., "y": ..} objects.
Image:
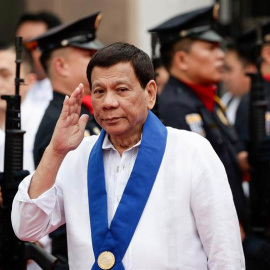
[
  {"x": 260, "y": 170},
  {"x": 15, "y": 253}
]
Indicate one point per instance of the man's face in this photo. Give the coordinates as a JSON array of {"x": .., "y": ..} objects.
[
  {"x": 7, "y": 75},
  {"x": 27, "y": 31},
  {"x": 120, "y": 104},
  {"x": 204, "y": 63},
  {"x": 235, "y": 80},
  {"x": 161, "y": 78}
]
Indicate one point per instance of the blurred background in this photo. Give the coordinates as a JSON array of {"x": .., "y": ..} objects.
[{"x": 129, "y": 20}]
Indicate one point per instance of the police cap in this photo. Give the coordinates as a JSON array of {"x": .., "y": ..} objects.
[
  {"x": 79, "y": 34},
  {"x": 196, "y": 24}
]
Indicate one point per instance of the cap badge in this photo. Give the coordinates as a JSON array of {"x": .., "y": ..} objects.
[
  {"x": 267, "y": 38},
  {"x": 183, "y": 33},
  {"x": 64, "y": 42},
  {"x": 97, "y": 21}
]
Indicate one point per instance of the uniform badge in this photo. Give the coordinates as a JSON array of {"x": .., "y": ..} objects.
[
  {"x": 222, "y": 117},
  {"x": 194, "y": 120}
]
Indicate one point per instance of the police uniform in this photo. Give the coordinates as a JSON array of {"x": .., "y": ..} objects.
[
  {"x": 180, "y": 107},
  {"x": 78, "y": 34}
]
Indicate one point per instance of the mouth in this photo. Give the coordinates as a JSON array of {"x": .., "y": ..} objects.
[{"x": 111, "y": 120}]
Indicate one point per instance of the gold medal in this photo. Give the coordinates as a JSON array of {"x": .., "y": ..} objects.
[{"x": 106, "y": 260}]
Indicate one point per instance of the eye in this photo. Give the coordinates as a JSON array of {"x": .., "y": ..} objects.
[
  {"x": 122, "y": 89},
  {"x": 98, "y": 91}
]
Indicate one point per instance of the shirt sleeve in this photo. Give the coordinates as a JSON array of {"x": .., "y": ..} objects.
[
  {"x": 32, "y": 219},
  {"x": 214, "y": 211}
]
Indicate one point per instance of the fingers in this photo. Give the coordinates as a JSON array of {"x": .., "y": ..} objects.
[
  {"x": 83, "y": 121},
  {"x": 76, "y": 100},
  {"x": 73, "y": 103}
]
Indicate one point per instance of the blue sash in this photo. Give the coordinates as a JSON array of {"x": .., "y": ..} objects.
[{"x": 116, "y": 239}]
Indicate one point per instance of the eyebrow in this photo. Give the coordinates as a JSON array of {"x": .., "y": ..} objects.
[{"x": 99, "y": 84}]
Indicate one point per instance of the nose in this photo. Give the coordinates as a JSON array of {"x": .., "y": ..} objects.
[
  {"x": 220, "y": 54},
  {"x": 110, "y": 101}
]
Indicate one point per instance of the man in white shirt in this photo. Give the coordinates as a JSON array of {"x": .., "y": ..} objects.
[{"x": 139, "y": 195}]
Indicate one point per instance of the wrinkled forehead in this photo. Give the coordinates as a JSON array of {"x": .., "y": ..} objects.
[{"x": 122, "y": 72}]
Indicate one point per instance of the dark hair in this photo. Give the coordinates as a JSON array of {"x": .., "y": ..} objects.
[
  {"x": 246, "y": 53},
  {"x": 123, "y": 53},
  {"x": 167, "y": 52},
  {"x": 50, "y": 19}
]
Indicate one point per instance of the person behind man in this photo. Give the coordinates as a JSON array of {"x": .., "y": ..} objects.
[
  {"x": 239, "y": 61},
  {"x": 265, "y": 71},
  {"x": 37, "y": 100},
  {"x": 162, "y": 75},
  {"x": 167, "y": 184},
  {"x": 190, "y": 51},
  {"x": 65, "y": 53},
  {"x": 29, "y": 26}
]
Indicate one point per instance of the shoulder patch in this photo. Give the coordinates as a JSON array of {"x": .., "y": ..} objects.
[{"x": 194, "y": 120}]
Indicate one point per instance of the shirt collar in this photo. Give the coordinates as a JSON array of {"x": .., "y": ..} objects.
[{"x": 106, "y": 145}]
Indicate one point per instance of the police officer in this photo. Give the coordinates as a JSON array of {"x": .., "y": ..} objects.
[
  {"x": 190, "y": 51},
  {"x": 65, "y": 52}
]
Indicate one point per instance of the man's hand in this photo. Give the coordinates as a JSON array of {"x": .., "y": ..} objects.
[
  {"x": 242, "y": 158},
  {"x": 68, "y": 134},
  {"x": 70, "y": 127}
]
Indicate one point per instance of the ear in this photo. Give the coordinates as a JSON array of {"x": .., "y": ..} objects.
[
  {"x": 265, "y": 53},
  {"x": 180, "y": 60},
  {"x": 151, "y": 91},
  {"x": 60, "y": 66},
  {"x": 30, "y": 79}
]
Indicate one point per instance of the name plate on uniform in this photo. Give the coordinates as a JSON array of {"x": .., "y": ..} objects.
[{"x": 106, "y": 260}]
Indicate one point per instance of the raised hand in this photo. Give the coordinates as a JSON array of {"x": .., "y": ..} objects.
[
  {"x": 70, "y": 127},
  {"x": 67, "y": 136}
]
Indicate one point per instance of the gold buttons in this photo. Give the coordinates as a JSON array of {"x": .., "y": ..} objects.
[{"x": 106, "y": 260}]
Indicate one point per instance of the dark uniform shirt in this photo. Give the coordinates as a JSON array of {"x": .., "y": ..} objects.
[
  {"x": 48, "y": 122},
  {"x": 179, "y": 107}
]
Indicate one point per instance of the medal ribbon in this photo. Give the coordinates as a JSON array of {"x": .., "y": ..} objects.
[{"x": 116, "y": 239}]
